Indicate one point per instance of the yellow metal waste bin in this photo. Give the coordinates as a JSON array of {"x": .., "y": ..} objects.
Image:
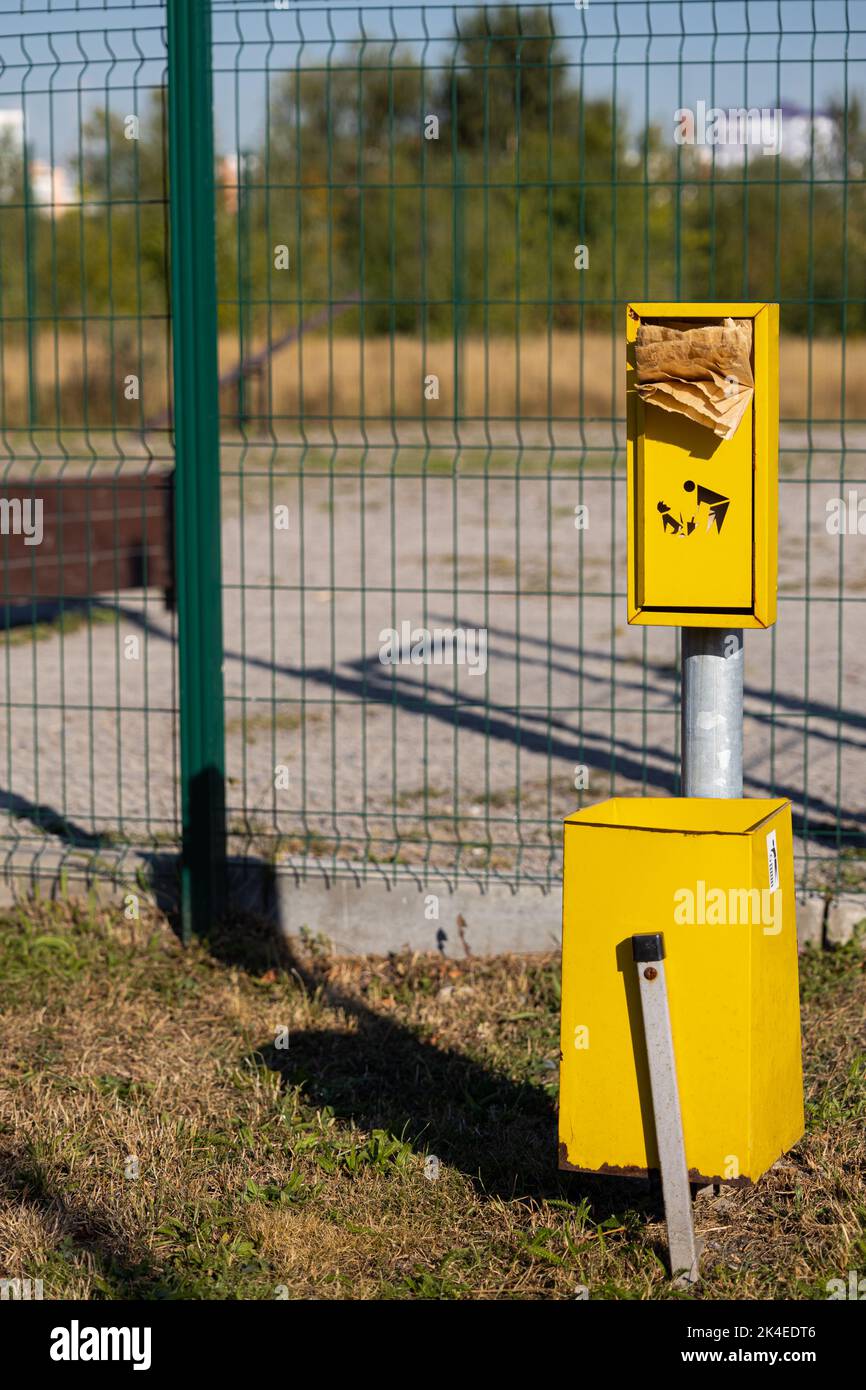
[{"x": 716, "y": 877}]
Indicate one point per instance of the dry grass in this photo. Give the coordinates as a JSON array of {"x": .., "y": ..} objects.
[
  {"x": 562, "y": 378},
  {"x": 154, "y": 1141}
]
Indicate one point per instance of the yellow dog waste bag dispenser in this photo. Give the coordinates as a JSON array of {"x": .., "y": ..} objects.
[
  {"x": 702, "y": 403},
  {"x": 716, "y": 878}
]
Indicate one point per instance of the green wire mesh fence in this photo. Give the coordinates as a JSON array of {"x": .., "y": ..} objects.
[
  {"x": 429, "y": 219},
  {"x": 89, "y": 708}
]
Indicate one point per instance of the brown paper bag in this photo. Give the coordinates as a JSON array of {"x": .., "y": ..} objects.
[{"x": 702, "y": 372}]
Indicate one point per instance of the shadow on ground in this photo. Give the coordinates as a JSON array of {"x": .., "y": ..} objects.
[
  {"x": 84, "y": 1230},
  {"x": 377, "y": 1073}
]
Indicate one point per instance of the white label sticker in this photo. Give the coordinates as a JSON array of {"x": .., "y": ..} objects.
[{"x": 772, "y": 861}]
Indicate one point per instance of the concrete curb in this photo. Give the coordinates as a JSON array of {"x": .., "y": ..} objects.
[
  {"x": 363, "y": 915},
  {"x": 366, "y": 910}
]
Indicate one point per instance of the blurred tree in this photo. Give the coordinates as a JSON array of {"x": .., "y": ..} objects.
[{"x": 506, "y": 76}]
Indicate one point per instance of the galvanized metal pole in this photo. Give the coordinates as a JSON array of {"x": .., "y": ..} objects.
[
  {"x": 648, "y": 952},
  {"x": 712, "y": 712},
  {"x": 197, "y": 446}
]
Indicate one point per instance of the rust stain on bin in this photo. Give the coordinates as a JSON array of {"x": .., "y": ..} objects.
[{"x": 614, "y": 1170}]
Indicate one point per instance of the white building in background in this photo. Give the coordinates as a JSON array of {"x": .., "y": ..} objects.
[
  {"x": 51, "y": 187},
  {"x": 230, "y": 170},
  {"x": 801, "y": 128},
  {"x": 228, "y": 177},
  {"x": 801, "y": 131},
  {"x": 12, "y": 121}
]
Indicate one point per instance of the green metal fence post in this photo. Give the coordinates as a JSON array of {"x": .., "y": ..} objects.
[{"x": 197, "y": 491}]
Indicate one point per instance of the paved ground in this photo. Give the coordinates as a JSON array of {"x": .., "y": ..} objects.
[{"x": 567, "y": 683}]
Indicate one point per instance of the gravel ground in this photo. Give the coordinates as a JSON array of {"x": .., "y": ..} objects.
[{"x": 567, "y": 682}]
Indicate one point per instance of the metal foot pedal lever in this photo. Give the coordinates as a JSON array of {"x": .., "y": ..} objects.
[{"x": 684, "y": 1249}]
